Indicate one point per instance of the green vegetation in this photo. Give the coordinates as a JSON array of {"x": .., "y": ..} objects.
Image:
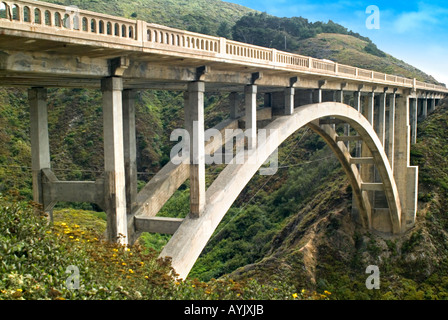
[
  {"x": 283, "y": 33},
  {"x": 212, "y": 17},
  {"x": 356, "y": 52},
  {"x": 37, "y": 261},
  {"x": 321, "y": 40}
]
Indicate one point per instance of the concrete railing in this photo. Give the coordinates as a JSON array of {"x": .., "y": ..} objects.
[
  {"x": 51, "y": 19},
  {"x": 173, "y": 39},
  {"x": 44, "y": 14}
]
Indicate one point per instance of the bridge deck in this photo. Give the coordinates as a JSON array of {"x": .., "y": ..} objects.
[{"x": 61, "y": 46}]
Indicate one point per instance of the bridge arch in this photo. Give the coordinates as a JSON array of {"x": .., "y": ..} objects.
[{"x": 193, "y": 234}]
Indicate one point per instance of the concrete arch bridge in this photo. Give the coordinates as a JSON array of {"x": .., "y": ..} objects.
[{"x": 44, "y": 46}]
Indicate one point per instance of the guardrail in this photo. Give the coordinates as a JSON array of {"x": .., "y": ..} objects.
[{"x": 50, "y": 18}]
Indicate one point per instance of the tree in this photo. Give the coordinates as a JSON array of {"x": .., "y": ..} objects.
[{"x": 224, "y": 30}]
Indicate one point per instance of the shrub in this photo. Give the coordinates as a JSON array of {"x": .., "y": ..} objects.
[{"x": 38, "y": 261}]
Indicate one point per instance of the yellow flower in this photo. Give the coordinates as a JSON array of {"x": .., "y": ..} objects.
[
  {"x": 123, "y": 264},
  {"x": 71, "y": 237},
  {"x": 48, "y": 232},
  {"x": 193, "y": 286},
  {"x": 127, "y": 249},
  {"x": 76, "y": 239},
  {"x": 295, "y": 295},
  {"x": 146, "y": 277},
  {"x": 115, "y": 250},
  {"x": 131, "y": 271},
  {"x": 142, "y": 263},
  {"x": 327, "y": 292},
  {"x": 303, "y": 290},
  {"x": 177, "y": 283},
  {"x": 19, "y": 290},
  {"x": 63, "y": 224}
]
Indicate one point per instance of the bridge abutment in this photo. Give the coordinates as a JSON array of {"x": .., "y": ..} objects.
[{"x": 406, "y": 177}]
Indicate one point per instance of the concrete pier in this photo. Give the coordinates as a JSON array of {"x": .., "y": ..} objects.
[
  {"x": 115, "y": 180},
  {"x": 194, "y": 123},
  {"x": 40, "y": 144}
]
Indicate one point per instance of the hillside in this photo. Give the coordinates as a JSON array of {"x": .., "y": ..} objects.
[
  {"x": 356, "y": 52},
  {"x": 214, "y": 17},
  {"x": 323, "y": 41}
]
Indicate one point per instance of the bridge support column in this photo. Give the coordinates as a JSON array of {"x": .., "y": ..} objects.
[
  {"x": 115, "y": 183},
  {"x": 367, "y": 171},
  {"x": 339, "y": 96},
  {"x": 370, "y": 114},
  {"x": 382, "y": 119},
  {"x": 425, "y": 108},
  {"x": 406, "y": 177},
  {"x": 413, "y": 118},
  {"x": 194, "y": 123},
  {"x": 310, "y": 96},
  {"x": 430, "y": 105},
  {"x": 234, "y": 105},
  {"x": 40, "y": 145},
  {"x": 130, "y": 157},
  {"x": 357, "y": 106},
  {"x": 317, "y": 96},
  {"x": 289, "y": 101},
  {"x": 391, "y": 130},
  {"x": 251, "y": 115}
]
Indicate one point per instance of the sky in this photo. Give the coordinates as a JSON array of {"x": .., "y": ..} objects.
[{"x": 413, "y": 31}]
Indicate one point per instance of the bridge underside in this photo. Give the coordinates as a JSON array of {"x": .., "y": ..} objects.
[{"x": 375, "y": 158}]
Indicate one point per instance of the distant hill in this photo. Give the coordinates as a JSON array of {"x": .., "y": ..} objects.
[
  {"x": 359, "y": 53},
  {"x": 214, "y": 17},
  {"x": 322, "y": 40}
]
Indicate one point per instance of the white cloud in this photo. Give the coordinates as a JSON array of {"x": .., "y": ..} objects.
[{"x": 425, "y": 18}]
